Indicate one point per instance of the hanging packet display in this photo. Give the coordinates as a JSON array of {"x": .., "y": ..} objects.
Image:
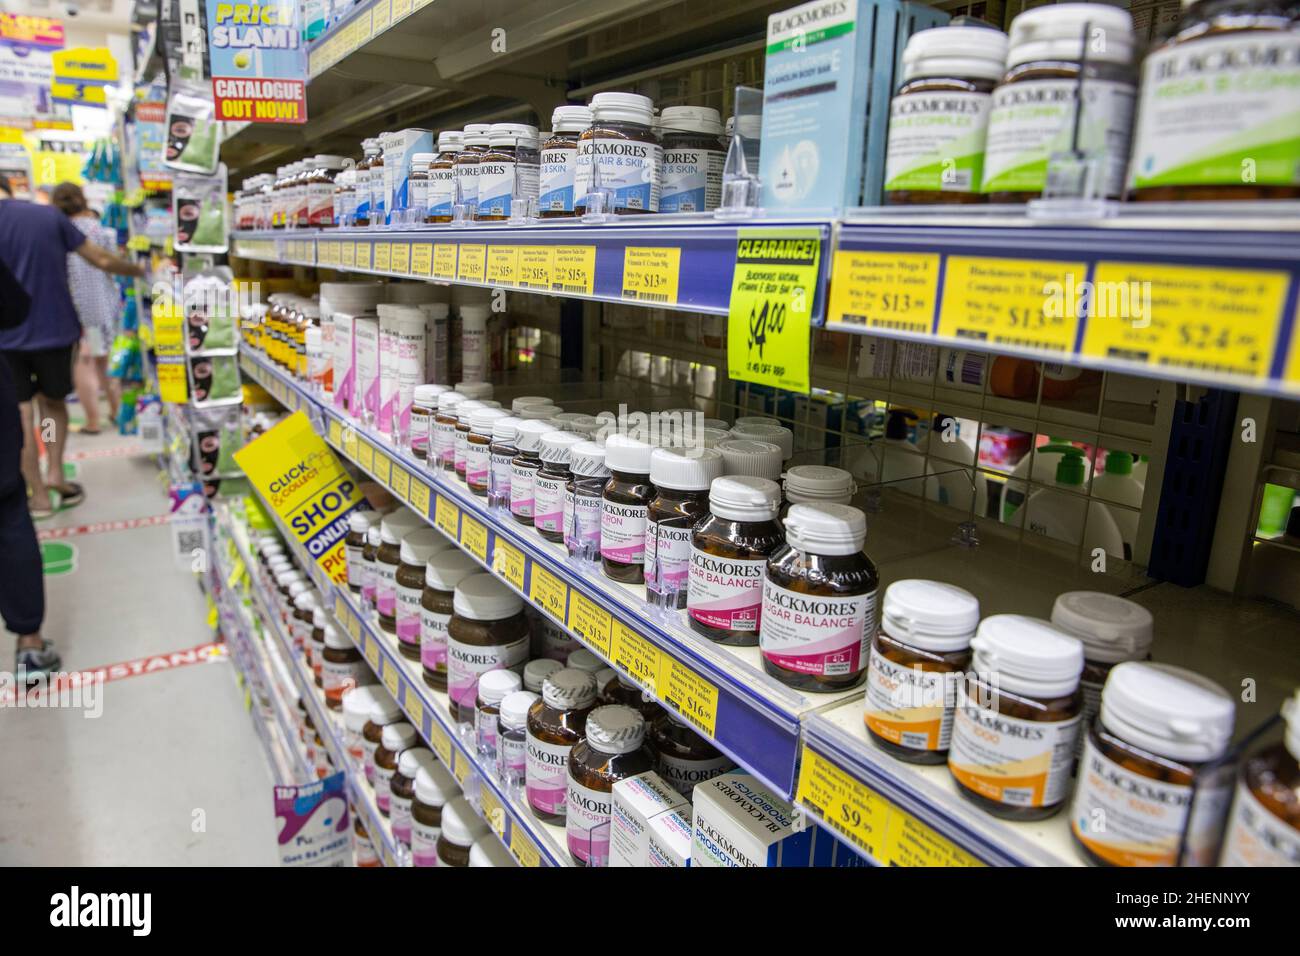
[
  {"x": 210, "y": 305},
  {"x": 192, "y": 139},
  {"x": 217, "y": 433},
  {"x": 199, "y": 213},
  {"x": 214, "y": 379}
]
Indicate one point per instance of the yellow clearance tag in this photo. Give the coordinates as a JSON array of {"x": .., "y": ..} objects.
[
  {"x": 503, "y": 265},
  {"x": 650, "y": 274},
  {"x": 846, "y": 805},
  {"x": 548, "y": 592},
  {"x": 471, "y": 265},
  {"x": 508, "y": 561},
  {"x": 383, "y": 256},
  {"x": 573, "y": 269},
  {"x": 890, "y": 291},
  {"x": 591, "y": 622},
  {"x": 420, "y": 497},
  {"x": 447, "y": 517},
  {"x": 422, "y": 259},
  {"x": 304, "y": 484},
  {"x": 213, "y": 614},
  {"x": 636, "y": 656},
  {"x": 363, "y": 255},
  {"x": 348, "y": 254},
  {"x": 414, "y": 706},
  {"x": 400, "y": 259},
  {"x": 695, "y": 697},
  {"x": 1021, "y": 303},
  {"x": 474, "y": 537},
  {"x": 401, "y": 482},
  {"x": 772, "y": 290},
  {"x": 535, "y": 267},
  {"x": 444, "y": 260},
  {"x": 1219, "y": 321},
  {"x": 372, "y": 650},
  {"x": 522, "y": 847}
]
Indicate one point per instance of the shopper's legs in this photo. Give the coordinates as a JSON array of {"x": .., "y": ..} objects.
[
  {"x": 31, "y": 459},
  {"x": 111, "y": 387},
  {"x": 54, "y": 432},
  {"x": 87, "y": 378},
  {"x": 53, "y": 382}
]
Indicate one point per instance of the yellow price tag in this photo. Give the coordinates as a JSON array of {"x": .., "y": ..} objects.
[
  {"x": 370, "y": 648},
  {"x": 548, "y": 592},
  {"x": 891, "y": 291},
  {"x": 366, "y": 456},
  {"x": 390, "y": 679},
  {"x": 340, "y": 607},
  {"x": 173, "y": 386},
  {"x": 401, "y": 482},
  {"x": 381, "y": 14},
  {"x": 335, "y": 433},
  {"x": 695, "y": 697},
  {"x": 503, "y": 265},
  {"x": 235, "y": 572},
  {"x": 522, "y": 847},
  {"x": 420, "y": 497},
  {"x": 1009, "y": 302},
  {"x": 414, "y": 706},
  {"x": 444, "y": 260},
  {"x": 348, "y": 252},
  {"x": 363, "y": 255},
  {"x": 508, "y": 561},
  {"x": 474, "y": 537},
  {"x": 636, "y": 656},
  {"x": 772, "y": 290},
  {"x": 573, "y": 269},
  {"x": 401, "y": 259},
  {"x": 1292, "y": 371},
  {"x": 383, "y": 256},
  {"x": 472, "y": 263},
  {"x": 846, "y": 805},
  {"x": 447, "y": 518},
  {"x": 354, "y": 630},
  {"x": 1218, "y": 321},
  {"x": 401, "y": 8},
  {"x": 493, "y": 812},
  {"x": 350, "y": 443},
  {"x": 461, "y": 767},
  {"x": 383, "y": 466},
  {"x": 422, "y": 259},
  {"x": 909, "y": 842},
  {"x": 535, "y": 267},
  {"x": 213, "y": 615},
  {"x": 590, "y": 621},
  {"x": 441, "y": 743},
  {"x": 650, "y": 274}
]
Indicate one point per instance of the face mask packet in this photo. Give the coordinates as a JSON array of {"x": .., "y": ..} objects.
[
  {"x": 192, "y": 140},
  {"x": 216, "y": 434},
  {"x": 199, "y": 217},
  {"x": 210, "y": 307},
  {"x": 214, "y": 379}
]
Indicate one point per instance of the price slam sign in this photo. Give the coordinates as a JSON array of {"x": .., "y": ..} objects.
[
  {"x": 772, "y": 292},
  {"x": 259, "y": 63}
]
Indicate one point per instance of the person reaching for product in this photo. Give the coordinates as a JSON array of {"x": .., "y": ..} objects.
[
  {"x": 98, "y": 305},
  {"x": 34, "y": 244}
]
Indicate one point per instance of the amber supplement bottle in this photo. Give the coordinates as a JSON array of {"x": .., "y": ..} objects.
[
  {"x": 357, "y": 704},
  {"x": 681, "y": 500},
  {"x": 613, "y": 750},
  {"x": 614, "y": 688},
  {"x": 512, "y": 736},
  {"x": 729, "y": 552},
  {"x": 417, "y": 548},
  {"x": 383, "y": 711},
  {"x": 1158, "y": 728},
  {"x": 507, "y": 171},
  {"x": 342, "y": 667},
  {"x": 358, "y": 523},
  {"x": 584, "y": 500},
  {"x": 524, "y": 467},
  {"x": 920, "y": 652},
  {"x": 474, "y": 143},
  {"x": 488, "y": 631},
  {"x": 626, "y": 500},
  {"x": 372, "y": 154},
  {"x": 478, "y": 448},
  {"x": 1018, "y": 713},
  {"x": 819, "y": 600},
  {"x": 364, "y": 855},
  {"x": 314, "y": 650},
  {"x": 550, "y": 482},
  {"x": 460, "y": 436},
  {"x": 402, "y": 790},
  {"x": 550, "y": 639},
  {"x": 493, "y": 687},
  {"x": 442, "y": 177},
  {"x": 442, "y": 441},
  {"x": 392, "y": 530},
  {"x": 559, "y": 161},
  {"x": 623, "y": 150},
  {"x": 424, "y": 406},
  {"x": 434, "y": 787},
  {"x": 682, "y": 757},
  {"x": 444, "y": 571},
  {"x": 305, "y": 603},
  {"x": 501, "y": 453},
  {"x": 555, "y": 724},
  {"x": 693, "y": 156},
  {"x": 395, "y": 738},
  {"x": 1264, "y": 829},
  {"x": 461, "y": 826},
  {"x": 369, "y": 574}
]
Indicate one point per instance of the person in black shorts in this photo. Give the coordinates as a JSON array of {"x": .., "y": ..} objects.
[{"x": 34, "y": 244}]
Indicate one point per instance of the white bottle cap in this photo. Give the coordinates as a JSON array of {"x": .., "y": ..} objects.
[
  {"x": 538, "y": 412},
  {"x": 691, "y": 119},
  {"x": 744, "y": 498},
  {"x": 627, "y": 455},
  {"x": 434, "y": 785},
  {"x": 557, "y": 447},
  {"x": 420, "y": 545},
  {"x": 423, "y": 159},
  {"x": 268, "y": 545},
  {"x": 777, "y": 435},
  {"x": 357, "y": 704},
  {"x": 319, "y": 618},
  {"x": 372, "y": 535},
  {"x": 523, "y": 401},
  {"x": 745, "y": 420},
  {"x": 360, "y": 521},
  {"x": 474, "y": 389},
  {"x": 397, "y": 737},
  {"x": 483, "y": 418},
  {"x": 426, "y": 396},
  {"x": 412, "y": 760},
  {"x": 956, "y": 51},
  {"x": 528, "y": 434},
  {"x": 584, "y": 660},
  {"x": 306, "y": 599},
  {"x": 819, "y": 483},
  {"x": 397, "y": 524},
  {"x": 512, "y": 134},
  {"x": 1026, "y": 655},
  {"x": 622, "y": 108},
  {"x": 603, "y": 677},
  {"x": 481, "y": 597},
  {"x": 829, "y": 529},
  {"x": 536, "y": 671},
  {"x": 296, "y": 588},
  {"x": 587, "y": 460},
  {"x": 489, "y": 851},
  {"x": 757, "y": 459},
  {"x": 288, "y": 576},
  {"x": 1057, "y": 32},
  {"x": 493, "y": 686},
  {"x": 447, "y": 401},
  {"x": 931, "y": 615},
  {"x": 504, "y": 429},
  {"x": 1291, "y": 715},
  {"x": 516, "y": 704},
  {"x": 336, "y": 639},
  {"x": 1167, "y": 710},
  {"x": 466, "y": 409},
  {"x": 569, "y": 689},
  {"x": 450, "y": 141},
  {"x": 383, "y": 709},
  {"x": 615, "y": 729},
  {"x": 1112, "y": 628},
  {"x": 711, "y": 437},
  {"x": 461, "y": 826},
  {"x": 476, "y": 134},
  {"x": 717, "y": 423},
  {"x": 446, "y": 569},
  {"x": 682, "y": 472},
  {"x": 570, "y": 119}
]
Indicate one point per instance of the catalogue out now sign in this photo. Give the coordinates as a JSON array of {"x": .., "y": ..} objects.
[
  {"x": 305, "y": 485},
  {"x": 259, "y": 63}
]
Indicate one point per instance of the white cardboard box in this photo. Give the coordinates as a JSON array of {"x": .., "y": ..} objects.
[
  {"x": 639, "y": 803},
  {"x": 739, "y": 822}
]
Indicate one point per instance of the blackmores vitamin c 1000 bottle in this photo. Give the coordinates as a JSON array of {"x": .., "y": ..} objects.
[
  {"x": 488, "y": 631},
  {"x": 819, "y": 600},
  {"x": 627, "y": 496},
  {"x": 443, "y": 572},
  {"x": 1157, "y": 729},
  {"x": 1018, "y": 713},
  {"x": 729, "y": 551},
  {"x": 555, "y": 724},
  {"x": 920, "y": 652},
  {"x": 1264, "y": 829},
  {"x": 613, "y": 750}
]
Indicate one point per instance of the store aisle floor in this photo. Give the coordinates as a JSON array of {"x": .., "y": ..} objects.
[{"x": 171, "y": 772}]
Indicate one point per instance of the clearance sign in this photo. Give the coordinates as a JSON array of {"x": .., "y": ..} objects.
[
  {"x": 302, "y": 481},
  {"x": 259, "y": 63}
]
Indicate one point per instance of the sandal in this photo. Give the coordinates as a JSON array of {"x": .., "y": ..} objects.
[{"x": 70, "y": 495}]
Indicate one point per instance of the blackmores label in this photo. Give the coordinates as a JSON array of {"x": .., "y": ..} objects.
[
  {"x": 725, "y": 593},
  {"x": 822, "y": 635}
]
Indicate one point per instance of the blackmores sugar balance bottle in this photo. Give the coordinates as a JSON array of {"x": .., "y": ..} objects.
[{"x": 613, "y": 750}]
